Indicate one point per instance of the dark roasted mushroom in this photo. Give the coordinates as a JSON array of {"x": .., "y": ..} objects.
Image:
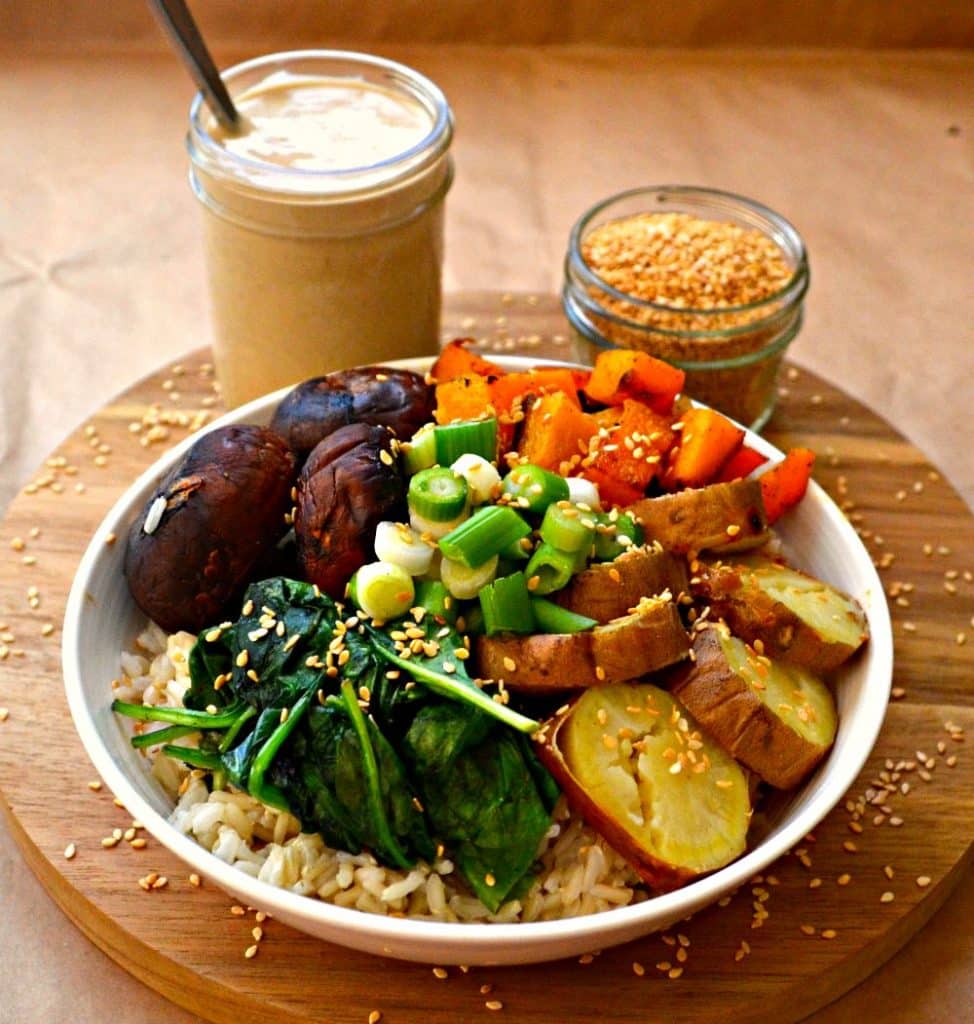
[
  {"x": 211, "y": 521},
  {"x": 350, "y": 483},
  {"x": 379, "y": 395}
]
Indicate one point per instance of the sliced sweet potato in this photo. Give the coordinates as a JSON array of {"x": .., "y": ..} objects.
[
  {"x": 608, "y": 590},
  {"x": 636, "y": 766},
  {"x": 650, "y": 638},
  {"x": 556, "y": 433},
  {"x": 457, "y": 360},
  {"x": 776, "y": 719},
  {"x": 541, "y": 381},
  {"x": 708, "y": 439},
  {"x": 719, "y": 517},
  {"x": 619, "y": 374},
  {"x": 787, "y": 613}
]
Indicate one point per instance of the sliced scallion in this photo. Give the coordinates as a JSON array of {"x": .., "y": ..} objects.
[
  {"x": 583, "y": 492},
  {"x": 437, "y": 494},
  {"x": 465, "y": 582},
  {"x": 484, "y": 535},
  {"x": 533, "y": 488},
  {"x": 567, "y": 527},
  {"x": 399, "y": 544},
  {"x": 482, "y": 477},
  {"x": 614, "y": 534},
  {"x": 549, "y": 569},
  {"x": 382, "y": 590},
  {"x": 474, "y": 437},
  {"x": 552, "y": 618},
  {"x": 506, "y": 605},
  {"x": 419, "y": 452}
]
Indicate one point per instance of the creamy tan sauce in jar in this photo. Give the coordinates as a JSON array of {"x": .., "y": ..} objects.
[
  {"x": 323, "y": 218},
  {"x": 324, "y": 124}
]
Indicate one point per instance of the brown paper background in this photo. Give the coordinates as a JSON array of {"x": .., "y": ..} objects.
[{"x": 869, "y": 153}]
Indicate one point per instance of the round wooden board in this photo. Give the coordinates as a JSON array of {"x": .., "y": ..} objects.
[{"x": 784, "y": 946}]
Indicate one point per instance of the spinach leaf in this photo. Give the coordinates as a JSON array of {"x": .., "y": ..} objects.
[
  {"x": 487, "y": 810},
  {"x": 440, "y": 669},
  {"x": 346, "y": 781},
  {"x": 208, "y": 660},
  {"x": 286, "y": 624},
  {"x": 440, "y": 732}
]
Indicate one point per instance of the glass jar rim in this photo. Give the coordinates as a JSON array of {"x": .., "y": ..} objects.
[
  {"x": 204, "y": 148},
  {"x": 798, "y": 282}
]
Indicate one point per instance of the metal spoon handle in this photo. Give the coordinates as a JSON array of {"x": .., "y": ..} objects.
[{"x": 175, "y": 18}]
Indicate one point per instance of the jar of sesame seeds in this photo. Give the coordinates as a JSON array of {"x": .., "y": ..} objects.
[{"x": 709, "y": 281}]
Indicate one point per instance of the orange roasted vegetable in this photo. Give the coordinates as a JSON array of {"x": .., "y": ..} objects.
[
  {"x": 784, "y": 484},
  {"x": 742, "y": 463},
  {"x": 456, "y": 360},
  {"x": 507, "y": 389},
  {"x": 707, "y": 441},
  {"x": 462, "y": 398},
  {"x": 634, "y": 451},
  {"x": 556, "y": 433},
  {"x": 620, "y": 374}
]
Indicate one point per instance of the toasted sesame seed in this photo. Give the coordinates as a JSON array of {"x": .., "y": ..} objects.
[
  {"x": 923, "y": 881},
  {"x": 494, "y": 1004},
  {"x": 375, "y": 1016},
  {"x": 807, "y": 929},
  {"x": 250, "y": 952},
  {"x": 70, "y": 850},
  {"x": 237, "y": 911},
  {"x": 440, "y": 972},
  {"x": 829, "y": 933}
]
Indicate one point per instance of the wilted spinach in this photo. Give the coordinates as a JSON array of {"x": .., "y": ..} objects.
[{"x": 426, "y": 758}]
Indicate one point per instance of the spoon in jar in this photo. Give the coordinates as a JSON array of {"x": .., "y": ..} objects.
[{"x": 178, "y": 23}]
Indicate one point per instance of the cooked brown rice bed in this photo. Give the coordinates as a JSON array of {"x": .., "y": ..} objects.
[{"x": 577, "y": 872}]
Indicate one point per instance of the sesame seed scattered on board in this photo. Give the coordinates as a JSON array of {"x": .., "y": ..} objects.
[
  {"x": 923, "y": 881},
  {"x": 250, "y": 952},
  {"x": 440, "y": 972},
  {"x": 375, "y": 1016},
  {"x": 494, "y": 1004},
  {"x": 70, "y": 850},
  {"x": 887, "y": 897}
]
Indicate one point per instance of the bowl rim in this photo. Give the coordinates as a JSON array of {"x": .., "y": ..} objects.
[{"x": 599, "y": 926}]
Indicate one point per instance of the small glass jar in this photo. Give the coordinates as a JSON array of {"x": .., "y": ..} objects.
[
  {"x": 315, "y": 269},
  {"x": 730, "y": 353}
]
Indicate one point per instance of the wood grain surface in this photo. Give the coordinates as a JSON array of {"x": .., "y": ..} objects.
[{"x": 820, "y": 920}]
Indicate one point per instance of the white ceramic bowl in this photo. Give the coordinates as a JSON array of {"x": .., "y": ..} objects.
[{"x": 101, "y": 621}]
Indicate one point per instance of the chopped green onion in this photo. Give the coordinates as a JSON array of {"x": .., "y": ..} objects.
[
  {"x": 485, "y": 534},
  {"x": 419, "y": 452},
  {"x": 552, "y": 618},
  {"x": 583, "y": 492},
  {"x": 475, "y": 437},
  {"x": 567, "y": 527},
  {"x": 506, "y": 605},
  {"x": 437, "y": 600},
  {"x": 483, "y": 480},
  {"x": 464, "y": 581},
  {"x": 615, "y": 533},
  {"x": 518, "y": 550},
  {"x": 552, "y": 568},
  {"x": 382, "y": 590},
  {"x": 533, "y": 488},
  {"x": 430, "y": 530},
  {"x": 401, "y": 545},
  {"x": 437, "y": 494}
]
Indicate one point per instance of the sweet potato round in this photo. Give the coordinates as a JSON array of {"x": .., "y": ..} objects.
[
  {"x": 222, "y": 514},
  {"x": 350, "y": 482},
  {"x": 379, "y": 395},
  {"x": 608, "y": 590}
]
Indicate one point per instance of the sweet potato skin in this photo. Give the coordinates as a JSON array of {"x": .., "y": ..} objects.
[
  {"x": 731, "y": 712},
  {"x": 647, "y": 640},
  {"x": 735, "y": 594},
  {"x": 608, "y": 590},
  {"x": 719, "y": 517}
]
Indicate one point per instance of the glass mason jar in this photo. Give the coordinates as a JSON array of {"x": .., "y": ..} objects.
[
  {"x": 730, "y": 353},
  {"x": 314, "y": 269}
]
